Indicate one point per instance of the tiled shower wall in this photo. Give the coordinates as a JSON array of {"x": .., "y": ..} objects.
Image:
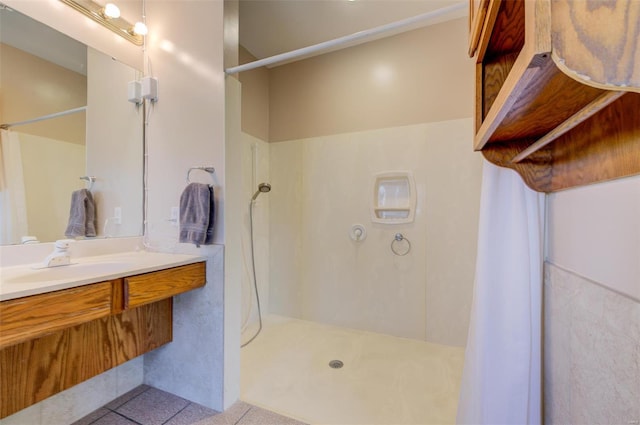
[
  {"x": 592, "y": 352},
  {"x": 324, "y": 185}
]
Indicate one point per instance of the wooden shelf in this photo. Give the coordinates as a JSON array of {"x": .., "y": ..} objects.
[{"x": 530, "y": 103}]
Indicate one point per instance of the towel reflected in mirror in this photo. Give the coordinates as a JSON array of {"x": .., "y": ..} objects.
[{"x": 82, "y": 215}]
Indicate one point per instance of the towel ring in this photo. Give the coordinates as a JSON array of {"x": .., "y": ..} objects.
[
  {"x": 90, "y": 179},
  {"x": 397, "y": 240},
  {"x": 209, "y": 170}
]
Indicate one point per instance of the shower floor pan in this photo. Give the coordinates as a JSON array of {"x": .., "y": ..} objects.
[{"x": 383, "y": 380}]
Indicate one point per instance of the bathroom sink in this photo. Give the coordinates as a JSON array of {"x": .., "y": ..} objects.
[
  {"x": 71, "y": 271},
  {"x": 31, "y": 279}
]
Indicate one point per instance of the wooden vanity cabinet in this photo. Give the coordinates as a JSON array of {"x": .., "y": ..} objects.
[
  {"x": 557, "y": 89},
  {"x": 150, "y": 287},
  {"x": 52, "y": 341},
  {"x": 26, "y": 318}
]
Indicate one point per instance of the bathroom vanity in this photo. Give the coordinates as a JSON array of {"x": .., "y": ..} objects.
[{"x": 52, "y": 339}]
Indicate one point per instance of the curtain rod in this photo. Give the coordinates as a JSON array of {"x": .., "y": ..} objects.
[
  {"x": 44, "y": 117},
  {"x": 346, "y": 39}
]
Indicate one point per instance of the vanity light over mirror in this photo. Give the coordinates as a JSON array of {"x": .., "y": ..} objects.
[
  {"x": 45, "y": 73},
  {"x": 108, "y": 15}
]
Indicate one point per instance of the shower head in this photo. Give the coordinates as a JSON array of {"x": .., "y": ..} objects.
[{"x": 262, "y": 188}]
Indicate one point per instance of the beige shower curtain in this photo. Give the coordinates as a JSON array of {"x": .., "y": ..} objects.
[{"x": 13, "y": 209}]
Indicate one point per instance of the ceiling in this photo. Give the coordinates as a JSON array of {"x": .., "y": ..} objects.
[{"x": 270, "y": 27}]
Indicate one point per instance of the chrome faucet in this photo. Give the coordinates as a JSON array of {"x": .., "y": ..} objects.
[{"x": 60, "y": 255}]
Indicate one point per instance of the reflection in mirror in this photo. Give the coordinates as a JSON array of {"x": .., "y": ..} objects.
[{"x": 68, "y": 115}]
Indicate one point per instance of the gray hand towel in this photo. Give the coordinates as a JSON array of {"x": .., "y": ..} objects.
[
  {"x": 212, "y": 209},
  {"x": 196, "y": 214},
  {"x": 82, "y": 215}
]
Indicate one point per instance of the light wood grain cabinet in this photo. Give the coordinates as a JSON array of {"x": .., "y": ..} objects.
[
  {"x": 52, "y": 341},
  {"x": 558, "y": 89},
  {"x": 150, "y": 287},
  {"x": 27, "y": 318}
]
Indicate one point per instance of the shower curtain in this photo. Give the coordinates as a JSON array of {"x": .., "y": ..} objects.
[
  {"x": 13, "y": 210},
  {"x": 501, "y": 382}
]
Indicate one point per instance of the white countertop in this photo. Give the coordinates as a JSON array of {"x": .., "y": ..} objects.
[{"x": 29, "y": 279}]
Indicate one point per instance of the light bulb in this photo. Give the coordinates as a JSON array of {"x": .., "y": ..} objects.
[
  {"x": 111, "y": 11},
  {"x": 140, "y": 28}
]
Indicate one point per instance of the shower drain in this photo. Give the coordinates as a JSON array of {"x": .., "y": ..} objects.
[{"x": 336, "y": 364}]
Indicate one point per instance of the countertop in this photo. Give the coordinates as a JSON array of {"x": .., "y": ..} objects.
[{"x": 29, "y": 279}]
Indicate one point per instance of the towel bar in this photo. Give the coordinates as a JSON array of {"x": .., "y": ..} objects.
[
  {"x": 90, "y": 179},
  {"x": 208, "y": 169}
]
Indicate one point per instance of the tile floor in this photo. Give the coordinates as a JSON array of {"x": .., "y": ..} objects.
[
  {"x": 384, "y": 380},
  {"x": 146, "y": 405}
]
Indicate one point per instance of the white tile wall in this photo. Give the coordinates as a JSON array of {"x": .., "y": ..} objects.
[
  {"x": 592, "y": 352},
  {"x": 322, "y": 186}
]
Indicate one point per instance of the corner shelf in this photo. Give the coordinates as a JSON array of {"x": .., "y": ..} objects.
[{"x": 535, "y": 113}]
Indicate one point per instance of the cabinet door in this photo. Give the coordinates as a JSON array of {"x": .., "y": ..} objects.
[
  {"x": 26, "y": 318},
  {"x": 477, "y": 13},
  {"x": 150, "y": 287}
]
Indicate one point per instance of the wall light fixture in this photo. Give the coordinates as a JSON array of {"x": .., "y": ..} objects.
[
  {"x": 107, "y": 17},
  {"x": 111, "y": 11},
  {"x": 140, "y": 28}
]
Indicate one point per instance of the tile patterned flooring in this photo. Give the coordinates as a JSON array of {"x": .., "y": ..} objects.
[{"x": 146, "y": 405}]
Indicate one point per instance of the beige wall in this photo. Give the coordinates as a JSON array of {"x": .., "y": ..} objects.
[
  {"x": 51, "y": 169},
  {"x": 594, "y": 230},
  {"x": 231, "y": 27},
  {"x": 33, "y": 87},
  {"x": 255, "y": 99},
  {"x": 416, "y": 77}
]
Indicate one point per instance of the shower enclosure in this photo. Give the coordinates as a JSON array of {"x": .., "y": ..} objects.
[{"x": 327, "y": 296}]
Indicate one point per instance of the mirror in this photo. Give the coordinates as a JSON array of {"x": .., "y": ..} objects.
[{"x": 45, "y": 73}]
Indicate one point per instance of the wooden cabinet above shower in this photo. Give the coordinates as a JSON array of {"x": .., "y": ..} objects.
[{"x": 558, "y": 89}]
